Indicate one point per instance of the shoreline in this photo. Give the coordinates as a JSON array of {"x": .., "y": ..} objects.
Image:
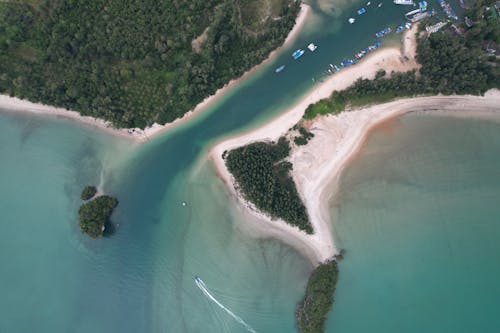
[
  {"x": 319, "y": 246},
  {"x": 14, "y": 104},
  {"x": 317, "y": 174}
]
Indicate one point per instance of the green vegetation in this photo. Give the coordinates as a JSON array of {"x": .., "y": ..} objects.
[
  {"x": 263, "y": 177},
  {"x": 88, "y": 192},
  {"x": 486, "y": 29},
  {"x": 134, "y": 62},
  {"x": 304, "y": 137},
  {"x": 312, "y": 311},
  {"x": 93, "y": 215},
  {"x": 450, "y": 65}
]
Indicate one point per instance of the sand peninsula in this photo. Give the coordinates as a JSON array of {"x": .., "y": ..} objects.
[
  {"x": 14, "y": 104},
  {"x": 318, "y": 165}
]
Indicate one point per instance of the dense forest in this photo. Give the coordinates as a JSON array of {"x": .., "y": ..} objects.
[
  {"x": 94, "y": 214},
  {"x": 263, "y": 177},
  {"x": 134, "y": 62},
  {"x": 312, "y": 311},
  {"x": 451, "y": 64}
]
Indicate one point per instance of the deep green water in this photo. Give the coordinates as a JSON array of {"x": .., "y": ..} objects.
[{"x": 141, "y": 279}]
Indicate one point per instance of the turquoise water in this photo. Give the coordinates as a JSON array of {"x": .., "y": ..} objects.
[
  {"x": 141, "y": 278},
  {"x": 417, "y": 213}
]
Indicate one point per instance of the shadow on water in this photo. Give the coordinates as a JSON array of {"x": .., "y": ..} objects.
[{"x": 110, "y": 229}]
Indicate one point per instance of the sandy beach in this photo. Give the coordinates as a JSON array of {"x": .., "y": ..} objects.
[
  {"x": 319, "y": 246},
  {"x": 13, "y": 104},
  {"x": 318, "y": 165}
]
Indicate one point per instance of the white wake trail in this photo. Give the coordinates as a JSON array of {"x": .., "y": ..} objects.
[{"x": 203, "y": 287}]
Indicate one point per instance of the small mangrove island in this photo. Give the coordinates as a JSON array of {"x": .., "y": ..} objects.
[
  {"x": 88, "y": 193},
  {"x": 263, "y": 177},
  {"x": 312, "y": 311},
  {"x": 94, "y": 214}
]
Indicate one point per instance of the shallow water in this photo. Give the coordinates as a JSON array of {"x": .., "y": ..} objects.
[
  {"x": 141, "y": 279},
  {"x": 417, "y": 214}
]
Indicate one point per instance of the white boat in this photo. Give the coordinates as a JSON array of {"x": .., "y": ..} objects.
[
  {"x": 312, "y": 47},
  {"x": 404, "y": 2},
  {"x": 368, "y": 3},
  {"x": 351, "y": 20},
  {"x": 413, "y": 12},
  {"x": 379, "y": 5}
]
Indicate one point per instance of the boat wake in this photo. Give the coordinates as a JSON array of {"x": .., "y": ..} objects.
[{"x": 203, "y": 287}]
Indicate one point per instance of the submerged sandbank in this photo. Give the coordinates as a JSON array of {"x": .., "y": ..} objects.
[
  {"x": 19, "y": 105},
  {"x": 319, "y": 246}
]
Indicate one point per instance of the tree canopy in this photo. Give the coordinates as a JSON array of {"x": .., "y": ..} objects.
[
  {"x": 94, "y": 214},
  {"x": 312, "y": 311},
  {"x": 451, "y": 64},
  {"x": 263, "y": 177},
  {"x": 134, "y": 62}
]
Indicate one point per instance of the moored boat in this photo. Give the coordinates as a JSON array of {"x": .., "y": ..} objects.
[
  {"x": 450, "y": 13},
  {"x": 351, "y": 20},
  {"x": 382, "y": 33},
  {"x": 297, "y": 54},
  {"x": 346, "y": 62},
  {"x": 362, "y": 10},
  {"x": 404, "y": 2}
]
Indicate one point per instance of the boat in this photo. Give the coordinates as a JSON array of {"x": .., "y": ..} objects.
[
  {"x": 450, "y": 13},
  {"x": 408, "y": 25},
  {"x": 379, "y": 5},
  {"x": 362, "y": 10},
  {"x": 400, "y": 28},
  {"x": 360, "y": 54},
  {"x": 420, "y": 16},
  {"x": 336, "y": 68},
  {"x": 351, "y": 20},
  {"x": 368, "y": 3},
  {"x": 279, "y": 69},
  {"x": 435, "y": 27},
  {"x": 404, "y": 2},
  {"x": 346, "y": 62},
  {"x": 413, "y": 12},
  {"x": 382, "y": 33},
  {"x": 375, "y": 46},
  {"x": 297, "y": 54},
  {"x": 312, "y": 47}
]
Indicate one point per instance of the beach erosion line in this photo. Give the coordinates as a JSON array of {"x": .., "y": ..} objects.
[{"x": 14, "y": 104}]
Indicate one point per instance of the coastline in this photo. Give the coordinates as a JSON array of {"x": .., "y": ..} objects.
[
  {"x": 319, "y": 246},
  {"x": 14, "y": 104},
  {"x": 317, "y": 166}
]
